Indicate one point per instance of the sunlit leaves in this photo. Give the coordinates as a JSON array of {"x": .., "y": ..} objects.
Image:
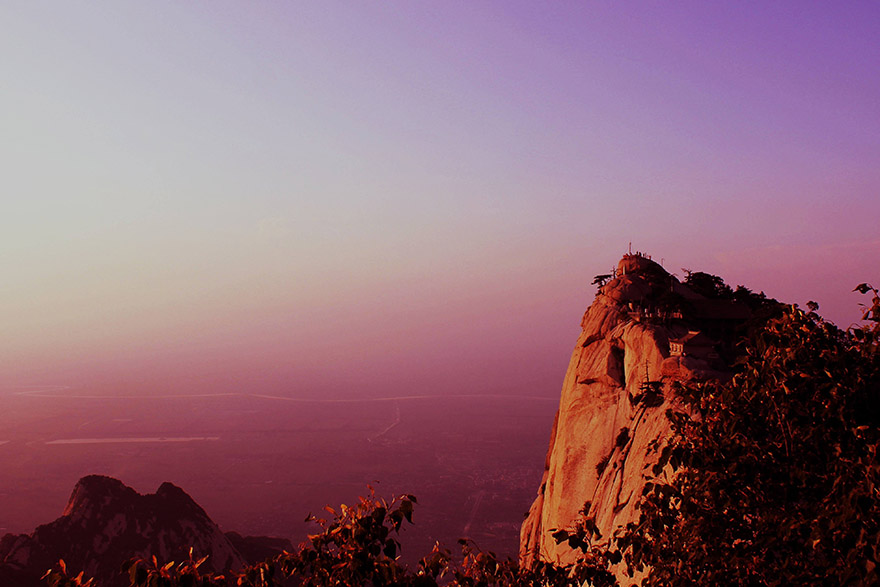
[
  {"x": 775, "y": 472},
  {"x": 358, "y": 547},
  {"x": 59, "y": 577}
]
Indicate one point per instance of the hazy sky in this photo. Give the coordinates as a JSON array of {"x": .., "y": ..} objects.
[{"x": 411, "y": 197}]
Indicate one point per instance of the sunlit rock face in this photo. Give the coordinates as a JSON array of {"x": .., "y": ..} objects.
[
  {"x": 106, "y": 523},
  {"x": 603, "y": 443}
]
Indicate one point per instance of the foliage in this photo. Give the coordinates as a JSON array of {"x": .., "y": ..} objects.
[
  {"x": 596, "y": 560},
  {"x": 650, "y": 394},
  {"x": 713, "y": 287},
  {"x": 58, "y": 577},
  {"x": 602, "y": 279},
  {"x": 871, "y": 312},
  {"x": 151, "y": 573},
  {"x": 357, "y": 546},
  {"x": 708, "y": 285},
  {"x": 771, "y": 478}
]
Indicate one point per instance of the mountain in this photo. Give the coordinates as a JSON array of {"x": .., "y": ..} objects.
[
  {"x": 106, "y": 523},
  {"x": 644, "y": 331}
]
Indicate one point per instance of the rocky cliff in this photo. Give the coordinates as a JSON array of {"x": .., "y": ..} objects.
[
  {"x": 106, "y": 523},
  {"x": 644, "y": 326}
]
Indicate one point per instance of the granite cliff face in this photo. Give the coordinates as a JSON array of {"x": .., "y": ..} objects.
[
  {"x": 106, "y": 523},
  {"x": 644, "y": 325}
]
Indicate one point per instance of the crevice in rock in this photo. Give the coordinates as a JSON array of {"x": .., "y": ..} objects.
[{"x": 617, "y": 366}]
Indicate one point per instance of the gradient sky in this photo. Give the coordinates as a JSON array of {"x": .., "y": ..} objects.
[{"x": 340, "y": 199}]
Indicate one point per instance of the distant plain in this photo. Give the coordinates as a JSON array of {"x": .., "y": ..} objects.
[{"x": 258, "y": 464}]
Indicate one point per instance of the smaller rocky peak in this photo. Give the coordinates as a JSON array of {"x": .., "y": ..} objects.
[
  {"x": 94, "y": 492},
  {"x": 171, "y": 492},
  {"x": 173, "y": 500},
  {"x": 106, "y": 522}
]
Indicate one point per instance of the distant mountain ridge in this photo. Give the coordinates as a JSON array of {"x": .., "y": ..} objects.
[{"x": 107, "y": 523}]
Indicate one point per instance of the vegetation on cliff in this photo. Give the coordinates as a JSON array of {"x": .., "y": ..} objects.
[{"x": 770, "y": 478}]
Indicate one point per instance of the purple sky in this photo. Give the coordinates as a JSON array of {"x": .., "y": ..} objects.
[{"x": 372, "y": 198}]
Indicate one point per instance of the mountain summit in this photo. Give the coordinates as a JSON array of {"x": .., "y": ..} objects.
[
  {"x": 644, "y": 330},
  {"x": 106, "y": 523}
]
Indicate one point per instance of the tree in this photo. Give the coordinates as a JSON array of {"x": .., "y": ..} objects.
[
  {"x": 707, "y": 285},
  {"x": 602, "y": 279},
  {"x": 771, "y": 478}
]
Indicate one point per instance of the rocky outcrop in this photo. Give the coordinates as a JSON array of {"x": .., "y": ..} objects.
[
  {"x": 106, "y": 523},
  {"x": 605, "y": 438}
]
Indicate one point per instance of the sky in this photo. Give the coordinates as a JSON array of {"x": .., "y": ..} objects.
[{"x": 329, "y": 199}]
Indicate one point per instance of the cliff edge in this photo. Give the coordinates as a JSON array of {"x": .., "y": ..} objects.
[{"x": 644, "y": 327}]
